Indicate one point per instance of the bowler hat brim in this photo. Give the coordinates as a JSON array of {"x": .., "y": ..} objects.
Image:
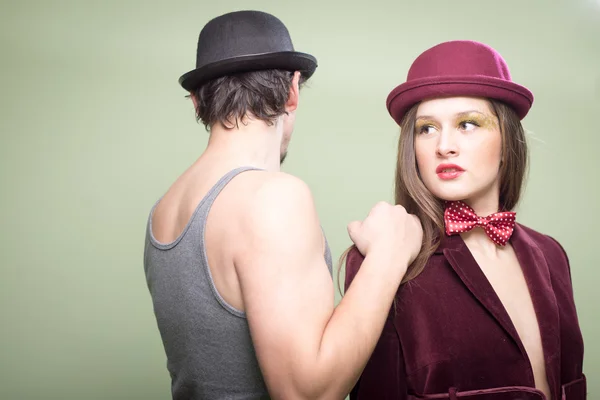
[
  {"x": 285, "y": 60},
  {"x": 404, "y": 96}
]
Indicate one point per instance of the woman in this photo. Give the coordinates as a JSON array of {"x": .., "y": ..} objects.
[{"x": 486, "y": 311}]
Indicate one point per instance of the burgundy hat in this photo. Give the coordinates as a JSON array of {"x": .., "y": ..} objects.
[{"x": 458, "y": 68}]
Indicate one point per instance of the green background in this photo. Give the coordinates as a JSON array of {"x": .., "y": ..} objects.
[{"x": 95, "y": 127}]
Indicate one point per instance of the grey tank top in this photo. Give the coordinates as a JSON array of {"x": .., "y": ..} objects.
[{"x": 207, "y": 341}]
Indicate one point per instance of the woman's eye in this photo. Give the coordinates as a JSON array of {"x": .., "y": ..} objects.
[
  {"x": 426, "y": 129},
  {"x": 468, "y": 125}
]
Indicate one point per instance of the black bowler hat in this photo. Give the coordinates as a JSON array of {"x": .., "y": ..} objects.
[{"x": 244, "y": 41}]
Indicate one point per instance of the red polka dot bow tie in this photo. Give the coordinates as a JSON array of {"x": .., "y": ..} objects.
[{"x": 459, "y": 218}]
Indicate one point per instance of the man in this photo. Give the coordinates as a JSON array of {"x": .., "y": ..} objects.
[{"x": 236, "y": 263}]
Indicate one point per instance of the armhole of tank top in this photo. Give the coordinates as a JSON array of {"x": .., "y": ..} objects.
[
  {"x": 206, "y": 267},
  {"x": 228, "y": 307},
  {"x": 205, "y": 264}
]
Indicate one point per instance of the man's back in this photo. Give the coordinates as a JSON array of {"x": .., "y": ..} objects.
[{"x": 198, "y": 307}]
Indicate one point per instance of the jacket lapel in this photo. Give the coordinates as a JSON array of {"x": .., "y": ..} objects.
[
  {"x": 462, "y": 261},
  {"x": 537, "y": 275}
]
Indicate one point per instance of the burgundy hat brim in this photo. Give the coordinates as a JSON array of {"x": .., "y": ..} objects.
[{"x": 404, "y": 96}]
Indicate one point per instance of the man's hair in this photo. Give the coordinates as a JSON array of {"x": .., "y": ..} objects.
[{"x": 229, "y": 99}]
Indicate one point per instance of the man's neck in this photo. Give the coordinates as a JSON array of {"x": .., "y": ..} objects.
[{"x": 255, "y": 143}]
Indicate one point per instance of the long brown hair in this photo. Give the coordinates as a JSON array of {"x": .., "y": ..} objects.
[{"x": 411, "y": 193}]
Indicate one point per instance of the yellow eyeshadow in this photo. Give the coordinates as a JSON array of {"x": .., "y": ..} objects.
[
  {"x": 484, "y": 121},
  {"x": 423, "y": 122}
]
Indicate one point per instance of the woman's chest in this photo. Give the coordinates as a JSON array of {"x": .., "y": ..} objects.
[{"x": 448, "y": 335}]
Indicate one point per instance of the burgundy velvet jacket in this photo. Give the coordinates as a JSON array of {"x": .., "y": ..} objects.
[{"x": 450, "y": 337}]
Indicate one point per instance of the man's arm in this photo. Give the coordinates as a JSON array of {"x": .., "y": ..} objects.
[
  {"x": 384, "y": 375},
  {"x": 305, "y": 347}
]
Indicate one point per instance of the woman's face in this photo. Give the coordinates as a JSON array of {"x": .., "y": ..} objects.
[{"x": 458, "y": 147}]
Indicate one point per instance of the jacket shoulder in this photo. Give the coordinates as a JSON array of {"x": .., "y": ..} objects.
[
  {"x": 553, "y": 250},
  {"x": 543, "y": 240}
]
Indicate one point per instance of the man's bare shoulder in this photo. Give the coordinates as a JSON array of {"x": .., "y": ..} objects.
[
  {"x": 277, "y": 193},
  {"x": 277, "y": 202},
  {"x": 259, "y": 189}
]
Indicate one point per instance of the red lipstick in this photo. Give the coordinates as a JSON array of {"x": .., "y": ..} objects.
[{"x": 448, "y": 171}]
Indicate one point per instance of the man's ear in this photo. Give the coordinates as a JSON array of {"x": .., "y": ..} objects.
[
  {"x": 194, "y": 100},
  {"x": 294, "y": 95}
]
